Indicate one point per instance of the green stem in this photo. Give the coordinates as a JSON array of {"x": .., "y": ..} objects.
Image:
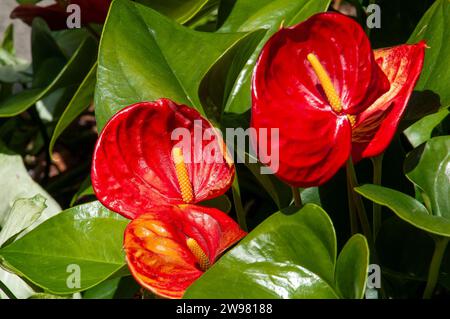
[
  {"x": 7, "y": 291},
  {"x": 357, "y": 200},
  {"x": 351, "y": 208},
  {"x": 440, "y": 245},
  {"x": 240, "y": 211},
  {"x": 376, "y": 209},
  {"x": 46, "y": 138},
  {"x": 296, "y": 196}
]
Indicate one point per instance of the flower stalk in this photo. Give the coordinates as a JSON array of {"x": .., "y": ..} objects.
[
  {"x": 435, "y": 265},
  {"x": 240, "y": 211},
  {"x": 357, "y": 201},
  {"x": 297, "y": 197}
]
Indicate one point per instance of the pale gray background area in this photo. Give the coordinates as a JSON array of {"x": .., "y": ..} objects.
[{"x": 21, "y": 30}]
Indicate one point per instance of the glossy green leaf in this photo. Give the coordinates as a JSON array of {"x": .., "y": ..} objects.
[
  {"x": 79, "y": 102},
  {"x": 248, "y": 15},
  {"x": 87, "y": 237},
  {"x": 146, "y": 56},
  {"x": 179, "y": 10},
  {"x": 407, "y": 208},
  {"x": 71, "y": 74},
  {"x": 217, "y": 84},
  {"x": 434, "y": 28},
  {"x": 351, "y": 268},
  {"x": 422, "y": 130},
  {"x": 288, "y": 256},
  {"x": 429, "y": 169}
]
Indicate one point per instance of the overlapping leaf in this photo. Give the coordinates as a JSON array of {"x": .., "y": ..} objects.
[
  {"x": 79, "y": 102},
  {"x": 50, "y": 73},
  {"x": 17, "y": 185},
  {"x": 429, "y": 169},
  {"x": 434, "y": 28},
  {"x": 146, "y": 56},
  {"x": 288, "y": 256},
  {"x": 179, "y": 10},
  {"x": 85, "y": 241},
  {"x": 248, "y": 15}
]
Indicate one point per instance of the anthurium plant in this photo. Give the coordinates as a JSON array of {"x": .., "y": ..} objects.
[{"x": 226, "y": 149}]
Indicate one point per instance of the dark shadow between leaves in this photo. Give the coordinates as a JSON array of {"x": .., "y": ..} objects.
[
  {"x": 219, "y": 81},
  {"x": 291, "y": 210},
  {"x": 421, "y": 103}
]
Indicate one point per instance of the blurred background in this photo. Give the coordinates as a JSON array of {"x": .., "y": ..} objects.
[{"x": 21, "y": 30}]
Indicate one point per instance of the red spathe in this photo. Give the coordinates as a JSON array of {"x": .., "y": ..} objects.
[
  {"x": 316, "y": 140},
  {"x": 133, "y": 169},
  {"x": 156, "y": 249}
]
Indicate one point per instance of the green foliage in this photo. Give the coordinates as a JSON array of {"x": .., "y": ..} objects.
[
  {"x": 86, "y": 238},
  {"x": 288, "y": 256},
  {"x": 202, "y": 53}
]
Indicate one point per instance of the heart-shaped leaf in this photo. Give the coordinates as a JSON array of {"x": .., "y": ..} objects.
[
  {"x": 407, "y": 208},
  {"x": 71, "y": 252},
  {"x": 422, "y": 130},
  {"x": 434, "y": 28},
  {"x": 429, "y": 169},
  {"x": 351, "y": 268},
  {"x": 288, "y": 256},
  {"x": 145, "y": 56}
]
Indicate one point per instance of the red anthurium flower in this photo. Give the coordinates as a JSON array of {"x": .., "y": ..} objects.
[
  {"x": 92, "y": 11},
  {"x": 321, "y": 84},
  {"x": 158, "y": 153},
  {"x": 169, "y": 247}
]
